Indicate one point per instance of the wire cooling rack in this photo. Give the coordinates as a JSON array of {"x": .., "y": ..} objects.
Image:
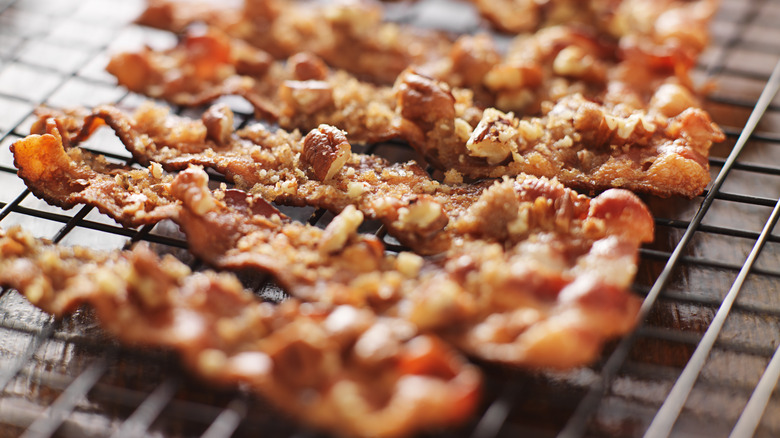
[{"x": 703, "y": 362}]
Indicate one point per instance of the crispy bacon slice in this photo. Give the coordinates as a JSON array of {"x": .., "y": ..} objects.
[
  {"x": 203, "y": 67},
  {"x": 301, "y": 94},
  {"x": 342, "y": 369},
  {"x": 545, "y": 291},
  {"x": 74, "y": 176},
  {"x": 348, "y": 35},
  {"x": 591, "y": 44},
  {"x": 419, "y": 211},
  {"x": 415, "y": 208},
  {"x": 661, "y": 150}
]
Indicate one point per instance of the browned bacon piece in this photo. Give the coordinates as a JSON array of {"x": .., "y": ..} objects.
[
  {"x": 579, "y": 44},
  {"x": 560, "y": 61},
  {"x": 319, "y": 170},
  {"x": 301, "y": 94},
  {"x": 590, "y": 42},
  {"x": 545, "y": 288},
  {"x": 661, "y": 150},
  {"x": 342, "y": 369},
  {"x": 348, "y": 35},
  {"x": 74, "y": 176},
  {"x": 201, "y": 68}
]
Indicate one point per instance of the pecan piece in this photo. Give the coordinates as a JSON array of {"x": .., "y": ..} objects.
[
  {"x": 326, "y": 150},
  {"x": 423, "y": 99},
  {"x": 495, "y": 137},
  {"x": 218, "y": 120},
  {"x": 306, "y": 66}
]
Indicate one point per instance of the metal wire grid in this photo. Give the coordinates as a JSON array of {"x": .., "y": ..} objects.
[{"x": 65, "y": 378}]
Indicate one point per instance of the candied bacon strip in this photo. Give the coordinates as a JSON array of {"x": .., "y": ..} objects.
[
  {"x": 63, "y": 178},
  {"x": 547, "y": 293},
  {"x": 415, "y": 208},
  {"x": 564, "y": 60},
  {"x": 605, "y": 121},
  {"x": 348, "y": 35},
  {"x": 342, "y": 369},
  {"x": 664, "y": 24},
  {"x": 591, "y": 53},
  {"x": 662, "y": 150},
  {"x": 301, "y": 94}
]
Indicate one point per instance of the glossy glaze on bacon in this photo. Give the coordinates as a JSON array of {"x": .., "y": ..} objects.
[
  {"x": 360, "y": 374},
  {"x": 349, "y": 35},
  {"x": 514, "y": 269},
  {"x": 300, "y": 93},
  {"x": 545, "y": 288},
  {"x": 584, "y": 111},
  {"x": 72, "y": 176},
  {"x": 662, "y": 149}
]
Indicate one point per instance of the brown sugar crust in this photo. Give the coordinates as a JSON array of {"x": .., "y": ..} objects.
[
  {"x": 661, "y": 150},
  {"x": 67, "y": 177},
  {"x": 363, "y": 374},
  {"x": 349, "y": 35},
  {"x": 414, "y": 207},
  {"x": 299, "y": 94}
]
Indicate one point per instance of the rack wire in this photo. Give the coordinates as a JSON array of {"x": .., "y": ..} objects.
[{"x": 704, "y": 361}]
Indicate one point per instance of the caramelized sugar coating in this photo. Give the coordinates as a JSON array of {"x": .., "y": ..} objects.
[
  {"x": 361, "y": 374},
  {"x": 545, "y": 286},
  {"x": 299, "y": 94},
  {"x": 275, "y": 166},
  {"x": 349, "y": 35},
  {"x": 662, "y": 149}
]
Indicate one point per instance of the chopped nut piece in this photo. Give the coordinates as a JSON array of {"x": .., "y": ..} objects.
[
  {"x": 340, "y": 229},
  {"x": 306, "y": 97},
  {"x": 495, "y": 137},
  {"x": 219, "y": 123},
  {"x": 409, "y": 263},
  {"x": 421, "y": 98},
  {"x": 306, "y": 66},
  {"x": 424, "y": 214},
  {"x": 156, "y": 169},
  {"x": 569, "y": 62},
  {"x": 672, "y": 99},
  {"x": 326, "y": 150}
]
